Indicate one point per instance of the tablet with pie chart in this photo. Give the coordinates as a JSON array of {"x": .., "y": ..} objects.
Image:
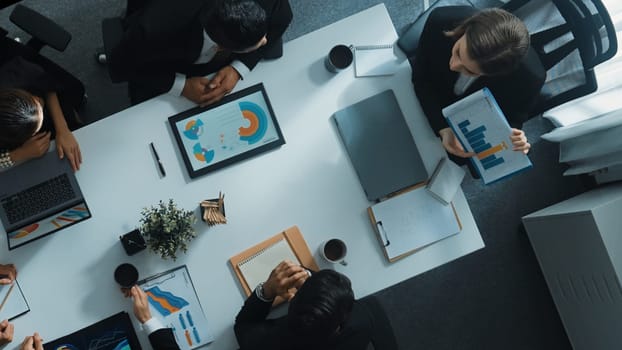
[{"x": 239, "y": 126}]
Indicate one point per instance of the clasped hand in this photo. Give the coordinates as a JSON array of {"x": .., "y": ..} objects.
[
  {"x": 453, "y": 146},
  {"x": 285, "y": 280},
  {"x": 205, "y": 91}
]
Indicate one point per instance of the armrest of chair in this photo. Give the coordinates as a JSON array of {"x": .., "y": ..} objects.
[
  {"x": 44, "y": 31},
  {"x": 409, "y": 40}
]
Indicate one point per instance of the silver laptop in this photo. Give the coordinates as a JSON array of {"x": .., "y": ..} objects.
[
  {"x": 380, "y": 145},
  {"x": 39, "y": 197}
]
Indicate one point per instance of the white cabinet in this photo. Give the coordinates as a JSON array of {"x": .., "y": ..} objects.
[{"x": 578, "y": 243}]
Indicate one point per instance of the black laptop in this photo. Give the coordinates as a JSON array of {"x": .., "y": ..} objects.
[
  {"x": 380, "y": 145},
  {"x": 40, "y": 197}
]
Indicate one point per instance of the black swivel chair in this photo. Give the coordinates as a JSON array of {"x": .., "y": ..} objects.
[
  {"x": 581, "y": 37},
  {"x": 43, "y": 32}
]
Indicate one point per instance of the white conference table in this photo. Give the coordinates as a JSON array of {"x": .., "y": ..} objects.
[{"x": 309, "y": 182}]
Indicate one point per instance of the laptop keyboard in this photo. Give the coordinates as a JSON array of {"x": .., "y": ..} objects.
[{"x": 38, "y": 199}]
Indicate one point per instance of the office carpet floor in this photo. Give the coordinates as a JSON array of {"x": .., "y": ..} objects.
[{"x": 495, "y": 298}]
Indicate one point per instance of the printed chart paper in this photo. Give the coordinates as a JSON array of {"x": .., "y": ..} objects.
[
  {"x": 481, "y": 127},
  {"x": 173, "y": 300}
]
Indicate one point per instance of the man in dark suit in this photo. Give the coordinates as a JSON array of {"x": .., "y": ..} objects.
[
  {"x": 463, "y": 50},
  {"x": 169, "y": 46},
  {"x": 322, "y": 313}
]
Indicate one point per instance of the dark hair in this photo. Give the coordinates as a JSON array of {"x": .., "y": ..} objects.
[
  {"x": 321, "y": 306},
  {"x": 18, "y": 117},
  {"x": 235, "y": 24},
  {"x": 496, "y": 39}
]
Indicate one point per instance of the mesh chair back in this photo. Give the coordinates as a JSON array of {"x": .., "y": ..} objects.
[{"x": 570, "y": 37}]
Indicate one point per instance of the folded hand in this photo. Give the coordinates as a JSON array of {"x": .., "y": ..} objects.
[{"x": 285, "y": 280}]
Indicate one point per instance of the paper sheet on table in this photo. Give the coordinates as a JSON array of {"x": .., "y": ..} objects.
[{"x": 15, "y": 304}]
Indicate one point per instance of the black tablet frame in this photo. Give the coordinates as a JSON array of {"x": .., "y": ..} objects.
[{"x": 173, "y": 120}]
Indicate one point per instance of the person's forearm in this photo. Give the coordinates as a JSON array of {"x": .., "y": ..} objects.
[{"x": 58, "y": 118}]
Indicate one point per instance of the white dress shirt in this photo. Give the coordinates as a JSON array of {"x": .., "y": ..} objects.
[
  {"x": 152, "y": 325},
  {"x": 463, "y": 83},
  {"x": 208, "y": 51}
]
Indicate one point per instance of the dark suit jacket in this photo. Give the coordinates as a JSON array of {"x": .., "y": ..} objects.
[
  {"x": 254, "y": 331},
  {"x": 516, "y": 93},
  {"x": 23, "y": 68},
  {"x": 163, "y": 339},
  {"x": 165, "y": 37}
]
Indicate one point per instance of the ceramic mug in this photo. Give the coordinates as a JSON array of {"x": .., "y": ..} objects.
[
  {"x": 334, "y": 251},
  {"x": 126, "y": 275},
  {"x": 339, "y": 58}
]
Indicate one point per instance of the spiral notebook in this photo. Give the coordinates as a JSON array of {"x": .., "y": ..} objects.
[
  {"x": 254, "y": 265},
  {"x": 256, "y": 268},
  {"x": 374, "y": 60}
]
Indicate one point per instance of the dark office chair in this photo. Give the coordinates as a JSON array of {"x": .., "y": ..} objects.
[
  {"x": 382, "y": 337},
  {"x": 579, "y": 36},
  {"x": 569, "y": 36},
  {"x": 409, "y": 40},
  {"x": 43, "y": 32}
]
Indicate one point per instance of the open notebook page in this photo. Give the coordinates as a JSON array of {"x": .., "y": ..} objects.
[{"x": 257, "y": 268}]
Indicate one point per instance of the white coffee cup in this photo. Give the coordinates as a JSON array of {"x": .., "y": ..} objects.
[{"x": 334, "y": 251}]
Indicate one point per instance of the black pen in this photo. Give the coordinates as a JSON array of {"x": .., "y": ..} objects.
[{"x": 160, "y": 165}]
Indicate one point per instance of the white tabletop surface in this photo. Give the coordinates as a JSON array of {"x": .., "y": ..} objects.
[{"x": 309, "y": 182}]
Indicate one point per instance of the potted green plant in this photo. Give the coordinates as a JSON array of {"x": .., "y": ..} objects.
[{"x": 167, "y": 229}]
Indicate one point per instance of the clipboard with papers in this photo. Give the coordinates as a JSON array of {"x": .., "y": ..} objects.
[{"x": 412, "y": 220}]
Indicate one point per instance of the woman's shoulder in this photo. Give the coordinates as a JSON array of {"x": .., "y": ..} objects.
[
  {"x": 23, "y": 74},
  {"x": 449, "y": 17}
]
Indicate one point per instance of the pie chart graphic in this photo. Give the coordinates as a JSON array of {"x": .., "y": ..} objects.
[
  {"x": 193, "y": 129},
  {"x": 202, "y": 154},
  {"x": 258, "y": 122}
]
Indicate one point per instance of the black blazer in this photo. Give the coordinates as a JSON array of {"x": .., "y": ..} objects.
[
  {"x": 163, "y": 339},
  {"x": 254, "y": 331},
  {"x": 516, "y": 93},
  {"x": 165, "y": 37}
]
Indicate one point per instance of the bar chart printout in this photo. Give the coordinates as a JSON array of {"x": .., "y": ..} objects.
[{"x": 481, "y": 127}]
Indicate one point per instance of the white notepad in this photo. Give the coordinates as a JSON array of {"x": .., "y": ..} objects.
[
  {"x": 375, "y": 60},
  {"x": 445, "y": 181},
  {"x": 413, "y": 220},
  {"x": 257, "y": 268}
]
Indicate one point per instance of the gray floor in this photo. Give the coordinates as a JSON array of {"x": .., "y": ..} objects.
[{"x": 495, "y": 298}]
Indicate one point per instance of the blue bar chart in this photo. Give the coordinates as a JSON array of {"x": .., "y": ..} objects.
[{"x": 487, "y": 153}]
